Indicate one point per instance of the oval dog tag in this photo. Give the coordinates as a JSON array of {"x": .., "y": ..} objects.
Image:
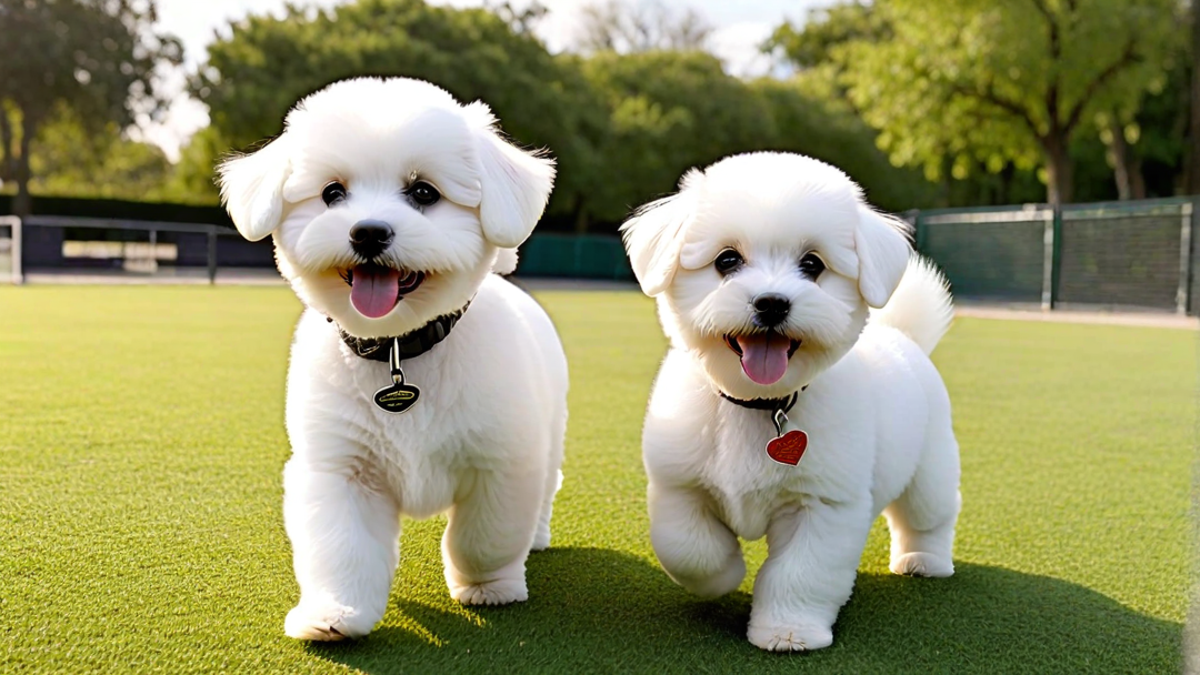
[{"x": 397, "y": 398}]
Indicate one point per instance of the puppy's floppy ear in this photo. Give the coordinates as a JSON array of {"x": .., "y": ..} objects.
[
  {"x": 252, "y": 189},
  {"x": 654, "y": 237},
  {"x": 515, "y": 184},
  {"x": 882, "y": 246}
]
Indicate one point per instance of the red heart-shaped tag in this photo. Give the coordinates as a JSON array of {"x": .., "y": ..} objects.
[{"x": 788, "y": 448}]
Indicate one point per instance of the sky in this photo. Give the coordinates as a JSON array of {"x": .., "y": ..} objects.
[{"x": 739, "y": 27}]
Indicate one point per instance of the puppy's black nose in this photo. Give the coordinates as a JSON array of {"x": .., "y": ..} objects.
[
  {"x": 771, "y": 309},
  {"x": 369, "y": 238}
]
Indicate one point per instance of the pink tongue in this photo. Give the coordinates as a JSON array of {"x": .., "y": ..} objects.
[
  {"x": 764, "y": 356},
  {"x": 375, "y": 290}
]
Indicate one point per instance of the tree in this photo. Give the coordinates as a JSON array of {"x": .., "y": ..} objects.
[
  {"x": 256, "y": 74},
  {"x": 71, "y": 159},
  {"x": 521, "y": 20},
  {"x": 815, "y": 50},
  {"x": 191, "y": 179},
  {"x": 1192, "y": 185},
  {"x": 966, "y": 81},
  {"x": 812, "y": 119},
  {"x": 627, "y": 26},
  {"x": 93, "y": 57},
  {"x": 826, "y": 29},
  {"x": 668, "y": 111}
]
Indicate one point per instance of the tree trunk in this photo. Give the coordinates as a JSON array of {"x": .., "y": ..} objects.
[
  {"x": 581, "y": 216},
  {"x": 1192, "y": 185},
  {"x": 7, "y": 151},
  {"x": 23, "y": 204},
  {"x": 1059, "y": 171},
  {"x": 945, "y": 190},
  {"x": 1006, "y": 181},
  {"x": 1124, "y": 164}
]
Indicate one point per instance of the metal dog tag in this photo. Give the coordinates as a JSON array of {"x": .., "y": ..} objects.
[{"x": 398, "y": 397}]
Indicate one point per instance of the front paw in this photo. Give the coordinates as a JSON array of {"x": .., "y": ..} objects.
[
  {"x": 919, "y": 564},
  {"x": 496, "y": 592},
  {"x": 326, "y": 622},
  {"x": 719, "y": 582},
  {"x": 798, "y": 637}
]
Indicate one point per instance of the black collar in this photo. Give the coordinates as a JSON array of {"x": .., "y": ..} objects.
[
  {"x": 785, "y": 404},
  {"x": 411, "y": 345}
]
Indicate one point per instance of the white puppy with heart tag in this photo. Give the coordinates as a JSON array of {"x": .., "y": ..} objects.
[
  {"x": 797, "y": 400},
  {"x": 420, "y": 381}
]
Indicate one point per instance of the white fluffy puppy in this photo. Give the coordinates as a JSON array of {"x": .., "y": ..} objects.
[
  {"x": 390, "y": 204},
  {"x": 764, "y": 267}
]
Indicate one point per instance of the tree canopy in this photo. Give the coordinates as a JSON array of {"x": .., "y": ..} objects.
[
  {"x": 958, "y": 82},
  {"x": 623, "y": 126},
  {"x": 94, "y": 59},
  {"x": 923, "y": 102},
  {"x": 252, "y": 78}
]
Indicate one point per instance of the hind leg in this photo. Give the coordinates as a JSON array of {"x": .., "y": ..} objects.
[
  {"x": 922, "y": 519},
  {"x": 554, "y": 477},
  {"x": 489, "y": 535}
]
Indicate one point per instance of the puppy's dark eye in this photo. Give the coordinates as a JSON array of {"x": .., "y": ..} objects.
[
  {"x": 423, "y": 193},
  {"x": 728, "y": 262},
  {"x": 333, "y": 193},
  {"x": 811, "y": 265}
]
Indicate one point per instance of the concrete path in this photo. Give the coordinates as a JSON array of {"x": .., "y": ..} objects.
[{"x": 1146, "y": 319}]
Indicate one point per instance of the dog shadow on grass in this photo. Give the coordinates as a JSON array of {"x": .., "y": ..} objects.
[{"x": 595, "y": 610}]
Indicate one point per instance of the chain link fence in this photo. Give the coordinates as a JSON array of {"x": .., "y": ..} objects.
[{"x": 1137, "y": 255}]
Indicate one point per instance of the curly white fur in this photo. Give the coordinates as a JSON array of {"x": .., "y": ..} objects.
[
  {"x": 485, "y": 439},
  {"x": 875, "y": 409}
]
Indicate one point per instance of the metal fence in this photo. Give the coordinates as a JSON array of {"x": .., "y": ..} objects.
[
  {"x": 70, "y": 247},
  {"x": 66, "y": 245},
  {"x": 1117, "y": 256},
  {"x": 574, "y": 256}
]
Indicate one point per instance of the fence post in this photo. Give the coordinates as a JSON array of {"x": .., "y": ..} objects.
[
  {"x": 1048, "y": 250},
  {"x": 212, "y": 255},
  {"x": 1183, "y": 293},
  {"x": 18, "y": 254},
  {"x": 919, "y": 233},
  {"x": 154, "y": 251},
  {"x": 1056, "y": 267}
]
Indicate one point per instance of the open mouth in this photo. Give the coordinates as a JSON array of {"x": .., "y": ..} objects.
[
  {"x": 375, "y": 289},
  {"x": 764, "y": 355}
]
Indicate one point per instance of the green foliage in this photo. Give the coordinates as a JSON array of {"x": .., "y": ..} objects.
[
  {"x": 825, "y": 30},
  {"x": 70, "y": 160},
  {"x": 961, "y": 82},
  {"x": 811, "y": 119},
  {"x": 94, "y": 57},
  {"x": 142, "y": 528},
  {"x": 1158, "y": 133},
  {"x": 623, "y": 127},
  {"x": 668, "y": 111},
  {"x": 253, "y": 77},
  {"x": 191, "y": 179}
]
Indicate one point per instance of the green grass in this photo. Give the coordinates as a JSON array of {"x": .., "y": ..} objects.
[{"x": 141, "y": 443}]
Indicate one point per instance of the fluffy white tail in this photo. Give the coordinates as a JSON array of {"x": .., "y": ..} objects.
[{"x": 921, "y": 307}]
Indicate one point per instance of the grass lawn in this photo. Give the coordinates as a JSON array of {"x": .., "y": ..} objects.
[{"x": 141, "y": 444}]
